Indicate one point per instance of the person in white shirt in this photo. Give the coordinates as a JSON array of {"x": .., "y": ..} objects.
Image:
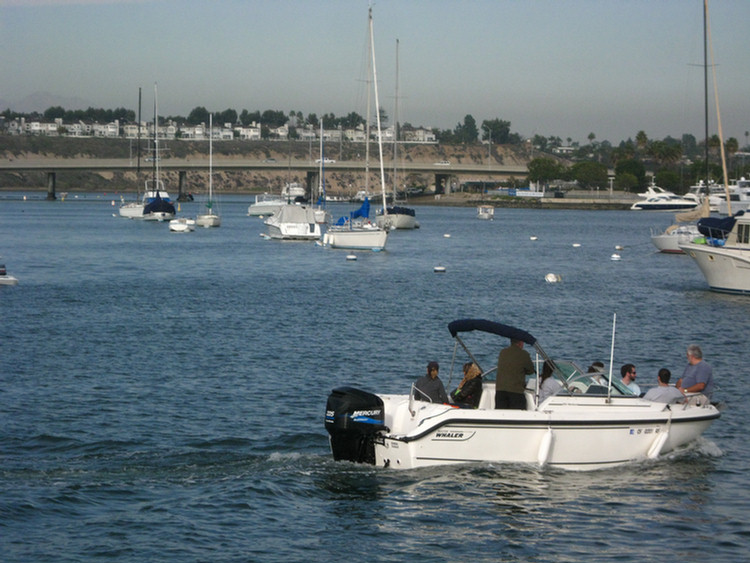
[{"x": 628, "y": 379}]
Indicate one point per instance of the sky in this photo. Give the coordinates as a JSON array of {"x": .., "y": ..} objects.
[{"x": 564, "y": 68}]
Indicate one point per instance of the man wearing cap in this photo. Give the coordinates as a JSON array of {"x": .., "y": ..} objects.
[
  {"x": 429, "y": 387},
  {"x": 513, "y": 365}
]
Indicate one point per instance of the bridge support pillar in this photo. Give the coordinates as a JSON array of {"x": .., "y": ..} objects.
[
  {"x": 182, "y": 174},
  {"x": 51, "y": 183}
]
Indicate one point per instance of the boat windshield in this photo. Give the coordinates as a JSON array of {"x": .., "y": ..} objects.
[{"x": 576, "y": 381}]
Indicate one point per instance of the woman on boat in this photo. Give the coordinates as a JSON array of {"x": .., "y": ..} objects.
[
  {"x": 549, "y": 385},
  {"x": 469, "y": 391}
]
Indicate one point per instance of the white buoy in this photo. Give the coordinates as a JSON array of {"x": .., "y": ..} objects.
[
  {"x": 576, "y": 245},
  {"x": 553, "y": 278},
  {"x": 447, "y": 235},
  {"x": 616, "y": 257},
  {"x": 113, "y": 203},
  {"x": 439, "y": 269},
  {"x": 351, "y": 256},
  {"x": 533, "y": 238}
]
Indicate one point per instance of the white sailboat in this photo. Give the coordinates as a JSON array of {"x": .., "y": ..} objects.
[
  {"x": 356, "y": 231},
  {"x": 210, "y": 218},
  {"x": 398, "y": 215}
]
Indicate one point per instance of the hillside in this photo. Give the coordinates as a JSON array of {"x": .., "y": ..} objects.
[{"x": 28, "y": 147}]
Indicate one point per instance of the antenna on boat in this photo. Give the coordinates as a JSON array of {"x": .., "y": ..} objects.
[{"x": 611, "y": 357}]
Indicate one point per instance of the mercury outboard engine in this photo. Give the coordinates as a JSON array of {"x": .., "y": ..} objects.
[{"x": 353, "y": 419}]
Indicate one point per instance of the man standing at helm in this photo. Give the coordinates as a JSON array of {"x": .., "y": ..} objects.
[{"x": 513, "y": 365}]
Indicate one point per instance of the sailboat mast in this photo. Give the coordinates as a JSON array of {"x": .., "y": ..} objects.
[
  {"x": 210, "y": 159},
  {"x": 367, "y": 110},
  {"x": 156, "y": 142},
  {"x": 377, "y": 113},
  {"x": 138, "y": 144},
  {"x": 395, "y": 135},
  {"x": 705, "y": 86}
]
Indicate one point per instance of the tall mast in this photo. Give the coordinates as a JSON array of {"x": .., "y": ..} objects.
[
  {"x": 705, "y": 84},
  {"x": 395, "y": 134},
  {"x": 377, "y": 113}
]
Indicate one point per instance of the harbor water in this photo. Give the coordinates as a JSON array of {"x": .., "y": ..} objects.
[{"x": 162, "y": 395}]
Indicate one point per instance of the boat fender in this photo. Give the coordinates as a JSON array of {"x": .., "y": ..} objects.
[
  {"x": 545, "y": 447},
  {"x": 655, "y": 449}
]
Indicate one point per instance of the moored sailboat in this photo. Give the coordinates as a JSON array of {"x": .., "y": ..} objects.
[{"x": 210, "y": 218}]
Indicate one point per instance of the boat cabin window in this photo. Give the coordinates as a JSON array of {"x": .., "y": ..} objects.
[
  {"x": 578, "y": 382},
  {"x": 743, "y": 234}
]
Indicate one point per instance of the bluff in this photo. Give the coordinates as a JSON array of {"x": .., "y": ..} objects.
[{"x": 68, "y": 149}]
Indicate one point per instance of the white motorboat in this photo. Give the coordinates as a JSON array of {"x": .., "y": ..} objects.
[
  {"x": 592, "y": 422},
  {"x": 293, "y": 222},
  {"x": 210, "y": 217},
  {"x": 684, "y": 229},
  {"x": 739, "y": 198},
  {"x": 672, "y": 237},
  {"x": 659, "y": 199},
  {"x": 182, "y": 225},
  {"x": 723, "y": 256},
  {"x": 6, "y": 278},
  {"x": 486, "y": 212},
  {"x": 265, "y": 204}
]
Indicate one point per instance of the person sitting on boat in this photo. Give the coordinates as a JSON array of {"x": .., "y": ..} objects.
[
  {"x": 469, "y": 391},
  {"x": 698, "y": 376},
  {"x": 664, "y": 392},
  {"x": 429, "y": 387},
  {"x": 628, "y": 379},
  {"x": 549, "y": 385},
  {"x": 598, "y": 369},
  {"x": 513, "y": 365}
]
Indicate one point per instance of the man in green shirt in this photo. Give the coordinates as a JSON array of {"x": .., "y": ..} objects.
[{"x": 513, "y": 365}]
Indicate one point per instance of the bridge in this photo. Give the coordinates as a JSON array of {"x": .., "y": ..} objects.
[{"x": 444, "y": 174}]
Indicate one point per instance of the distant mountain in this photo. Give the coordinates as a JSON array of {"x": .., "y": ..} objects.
[{"x": 41, "y": 101}]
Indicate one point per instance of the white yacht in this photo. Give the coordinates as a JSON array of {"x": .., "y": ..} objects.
[{"x": 723, "y": 256}]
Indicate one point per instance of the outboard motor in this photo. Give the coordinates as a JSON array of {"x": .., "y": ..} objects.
[{"x": 353, "y": 419}]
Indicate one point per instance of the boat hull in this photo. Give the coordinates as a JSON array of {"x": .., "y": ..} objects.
[
  {"x": 726, "y": 269},
  {"x": 573, "y": 433},
  {"x": 669, "y": 242},
  {"x": 356, "y": 239},
  {"x": 208, "y": 220},
  {"x": 396, "y": 221}
]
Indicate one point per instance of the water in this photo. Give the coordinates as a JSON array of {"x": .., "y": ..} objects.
[{"x": 163, "y": 394}]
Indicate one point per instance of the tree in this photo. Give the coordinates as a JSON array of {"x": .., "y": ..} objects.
[
  {"x": 226, "y": 116},
  {"x": 197, "y": 116},
  {"x": 497, "y": 130},
  {"x": 626, "y": 181},
  {"x": 641, "y": 140},
  {"x": 544, "y": 170},
  {"x": 633, "y": 167},
  {"x": 467, "y": 131},
  {"x": 590, "y": 174}
]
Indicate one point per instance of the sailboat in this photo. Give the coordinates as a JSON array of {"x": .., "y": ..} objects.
[
  {"x": 356, "y": 231},
  {"x": 210, "y": 218},
  {"x": 133, "y": 209},
  {"x": 723, "y": 256},
  {"x": 157, "y": 205},
  {"x": 397, "y": 216}
]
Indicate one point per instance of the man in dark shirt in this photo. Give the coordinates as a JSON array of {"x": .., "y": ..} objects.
[
  {"x": 429, "y": 387},
  {"x": 513, "y": 365}
]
